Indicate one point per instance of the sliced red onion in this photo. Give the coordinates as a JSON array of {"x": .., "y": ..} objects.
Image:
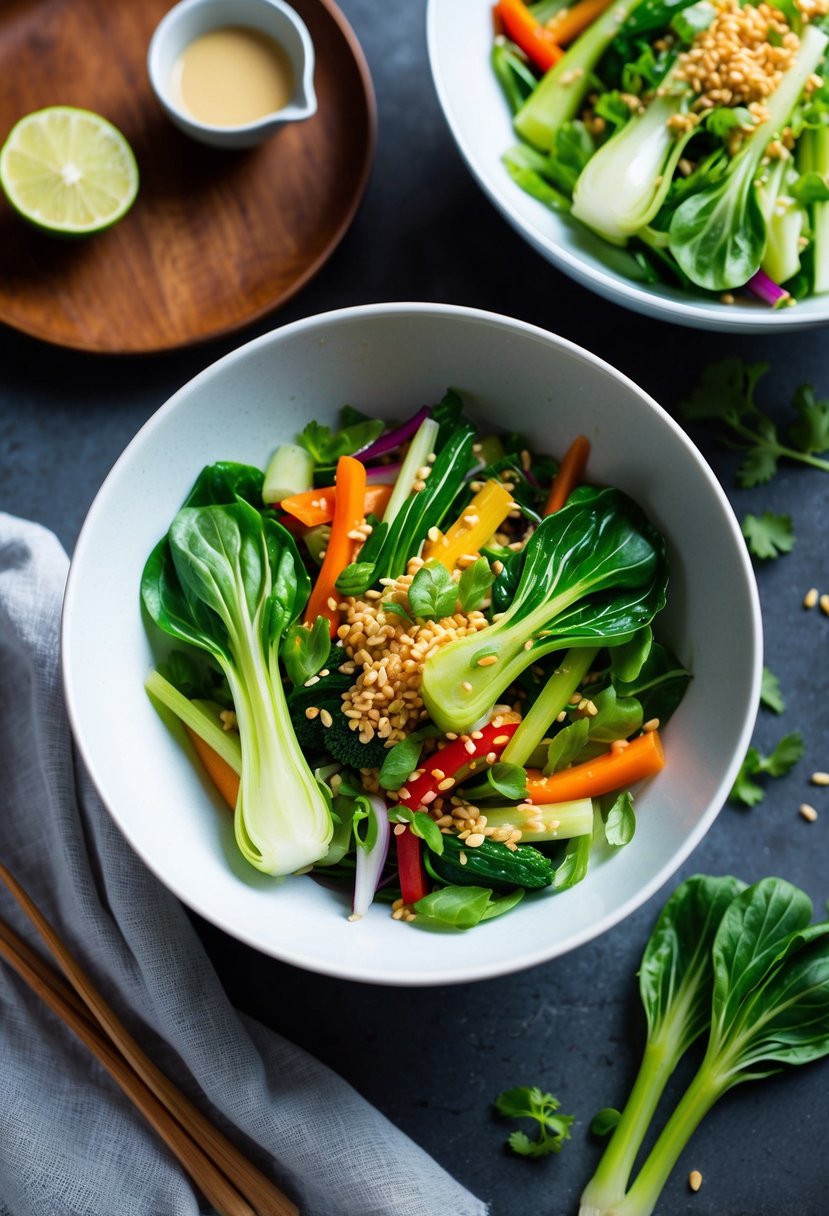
[
  {"x": 378, "y": 474},
  {"x": 393, "y": 439},
  {"x": 764, "y": 288},
  {"x": 370, "y": 862}
]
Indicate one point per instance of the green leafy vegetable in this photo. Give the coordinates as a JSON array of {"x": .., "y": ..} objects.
[
  {"x": 474, "y": 585},
  {"x": 464, "y": 907},
  {"x": 592, "y": 573},
  {"x": 423, "y": 826},
  {"x": 770, "y": 695},
  {"x": 718, "y": 234},
  {"x": 768, "y": 535},
  {"x": 229, "y": 581},
  {"x": 433, "y": 593},
  {"x": 326, "y": 446},
  {"x": 619, "y": 818},
  {"x": 305, "y": 650},
  {"x": 573, "y": 867},
  {"x": 780, "y": 761},
  {"x": 768, "y": 1003},
  {"x": 726, "y": 394},
  {"x": 552, "y": 1130},
  {"x": 675, "y": 983}
]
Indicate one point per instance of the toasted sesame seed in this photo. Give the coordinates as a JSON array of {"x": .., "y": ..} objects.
[
  {"x": 810, "y": 598},
  {"x": 462, "y": 857},
  {"x": 695, "y": 1180},
  {"x": 311, "y": 712},
  {"x": 475, "y": 839},
  {"x": 823, "y": 603},
  {"x": 499, "y": 739},
  {"x": 466, "y": 686},
  {"x": 311, "y": 681},
  {"x": 469, "y": 747},
  {"x": 651, "y": 724},
  {"x": 446, "y": 783},
  {"x": 808, "y": 812},
  {"x": 820, "y": 778},
  {"x": 326, "y": 718}
]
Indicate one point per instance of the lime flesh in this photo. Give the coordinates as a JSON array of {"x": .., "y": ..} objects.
[{"x": 68, "y": 170}]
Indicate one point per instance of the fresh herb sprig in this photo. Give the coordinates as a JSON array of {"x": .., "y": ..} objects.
[
  {"x": 725, "y": 394},
  {"x": 525, "y": 1102}
]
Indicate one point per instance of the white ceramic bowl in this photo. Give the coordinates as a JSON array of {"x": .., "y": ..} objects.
[
  {"x": 460, "y": 40},
  {"x": 190, "y": 20},
  {"x": 388, "y": 360}
]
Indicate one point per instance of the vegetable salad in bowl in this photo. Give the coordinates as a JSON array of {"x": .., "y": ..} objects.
[
  {"x": 691, "y": 135},
  {"x": 418, "y": 660}
]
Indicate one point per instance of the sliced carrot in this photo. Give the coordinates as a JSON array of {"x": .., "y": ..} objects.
[
  {"x": 217, "y": 769},
  {"x": 566, "y": 25},
  {"x": 527, "y": 32},
  {"x": 348, "y": 515},
  {"x": 615, "y": 770},
  {"x": 569, "y": 474},
  {"x": 315, "y": 507}
]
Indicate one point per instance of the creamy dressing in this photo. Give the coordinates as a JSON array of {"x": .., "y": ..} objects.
[{"x": 232, "y": 76}]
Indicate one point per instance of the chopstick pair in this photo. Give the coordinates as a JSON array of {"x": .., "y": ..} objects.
[{"x": 231, "y": 1183}]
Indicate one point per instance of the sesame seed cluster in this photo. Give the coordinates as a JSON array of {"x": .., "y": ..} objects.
[
  {"x": 740, "y": 58},
  {"x": 388, "y": 651}
]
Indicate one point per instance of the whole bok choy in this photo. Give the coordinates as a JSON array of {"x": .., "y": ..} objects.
[
  {"x": 592, "y": 574},
  {"x": 765, "y": 986},
  {"x": 229, "y": 581}
]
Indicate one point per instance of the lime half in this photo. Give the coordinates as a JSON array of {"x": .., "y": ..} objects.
[{"x": 68, "y": 170}]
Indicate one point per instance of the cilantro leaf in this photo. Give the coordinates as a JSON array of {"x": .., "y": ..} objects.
[
  {"x": 779, "y": 762},
  {"x": 770, "y": 694},
  {"x": 810, "y": 433},
  {"x": 725, "y": 394},
  {"x": 326, "y": 446},
  {"x": 433, "y": 592},
  {"x": 474, "y": 585},
  {"x": 524, "y": 1102},
  {"x": 768, "y": 535}
]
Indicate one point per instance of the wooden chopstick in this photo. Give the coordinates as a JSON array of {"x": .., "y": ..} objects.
[
  {"x": 147, "y": 1081},
  {"x": 210, "y": 1180}
]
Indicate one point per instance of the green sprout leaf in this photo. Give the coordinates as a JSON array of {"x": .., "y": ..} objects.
[
  {"x": 524, "y": 1102},
  {"x": 474, "y": 585},
  {"x": 768, "y": 535},
  {"x": 782, "y": 759},
  {"x": 433, "y": 593},
  {"x": 619, "y": 818},
  {"x": 604, "y": 1121},
  {"x": 770, "y": 694}
]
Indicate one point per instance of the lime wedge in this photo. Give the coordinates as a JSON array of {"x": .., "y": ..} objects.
[{"x": 68, "y": 171}]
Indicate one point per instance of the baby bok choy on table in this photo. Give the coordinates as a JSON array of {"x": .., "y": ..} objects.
[
  {"x": 742, "y": 964},
  {"x": 418, "y": 660},
  {"x": 691, "y": 135}
]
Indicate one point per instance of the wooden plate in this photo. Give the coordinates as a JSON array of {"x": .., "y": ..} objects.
[{"x": 215, "y": 239}]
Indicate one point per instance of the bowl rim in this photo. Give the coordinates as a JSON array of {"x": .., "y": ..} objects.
[
  {"x": 696, "y": 314},
  {"x": 476, "y": 971}
]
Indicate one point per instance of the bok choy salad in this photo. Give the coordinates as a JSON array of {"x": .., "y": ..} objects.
[
  {"x": 691, "y": 135},
  {"x": 417, "y": 661}
]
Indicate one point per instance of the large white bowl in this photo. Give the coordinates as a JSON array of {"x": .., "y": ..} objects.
[
  {"x": 390, "y": 360},
  {"x": 460, "y": 40}
]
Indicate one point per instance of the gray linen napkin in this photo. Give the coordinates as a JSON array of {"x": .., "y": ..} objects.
[{"x": 70, "y": 1143}]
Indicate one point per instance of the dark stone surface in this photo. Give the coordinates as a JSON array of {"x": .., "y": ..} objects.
[{"x": 433, "y": 1060}]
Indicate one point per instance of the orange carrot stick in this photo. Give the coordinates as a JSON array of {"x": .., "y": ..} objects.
[
  {"x": 569, "y": 474},
  {"x": 348, "y": 515},
  {"x": 217, "y": 769},
  {"x": 527, "y": 32},
  {"x": 615, "y": 770},
  {"x": 315, "y": 507},
  {"x": 566, "y": 25}
]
